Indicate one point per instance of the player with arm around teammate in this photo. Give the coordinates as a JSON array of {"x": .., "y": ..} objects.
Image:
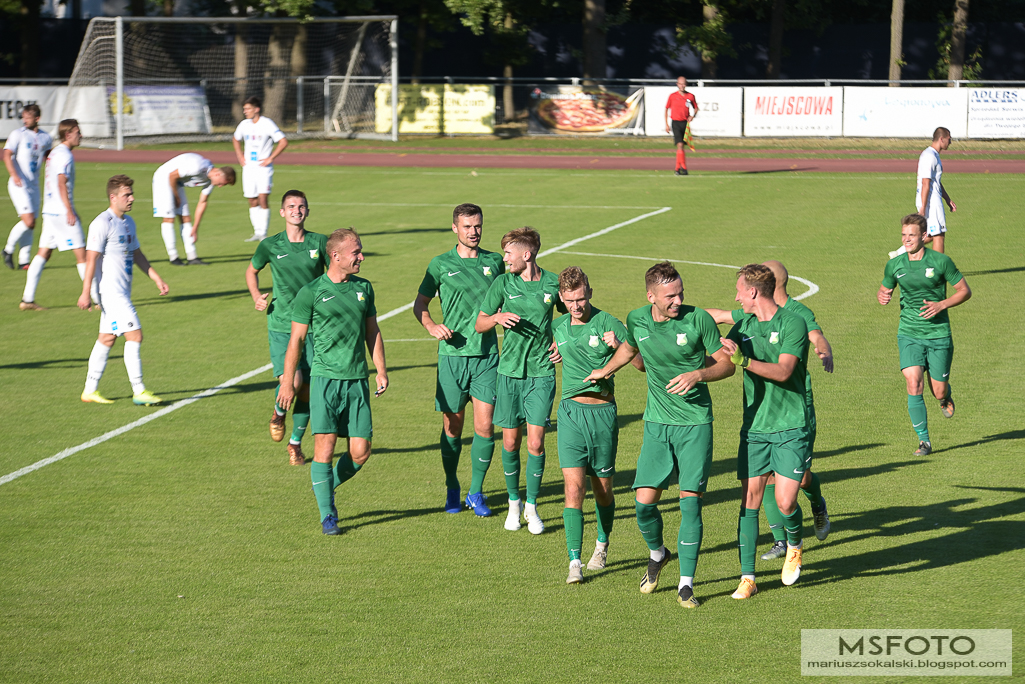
[
  {"x": 338, "y": 309},
  {"x": 169, "y": 182},
  {"x": 467, "y": 360},
  {"x": 675, "y": 340},
  {"x": 296, "y": 257},
  {"x": 112, "y": 249},
  {"x": 24, "y": 152},
  {"x": 923, "y": 335},
  {"x": 930, "y": 193},
  {"x": 264, "y": 142}
]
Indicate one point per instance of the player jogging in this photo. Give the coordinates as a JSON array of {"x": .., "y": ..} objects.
[
  {"x": 24, "y": 152},
  {"x": 770, "y": 344},
  {"x": 588, "y": 435},
  {"x": 169, "y": 183},
  {"x": 338, "y": 309},
  {"x": 61, "y": 228},
  {"x": 923, "y": 335},
  {"x": 112, "y": 249},
  {"x": 681, "y": 108},
  {"x": 810, "y": 484},
  {"x": 264, "y": 142},
  {"x": 467, "y": 360},
  {"x": 930, "y": 193},
  {"x": 522, "y": 301},
  {"x": 674, "y": 340},
  {"x": 296, "y": 258}
]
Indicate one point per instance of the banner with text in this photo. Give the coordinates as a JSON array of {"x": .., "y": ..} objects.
[
  {"x": 438, "y": 109},
  {"x": 584, "y": 110},
  {"x": 804, "y": 112},
  {"x": 904, "y": 112},
  {"x": 13, "y": 98},
  {"x": 161, "y": 110},
  {"x": 996, "y": 112},
  {"x": 720, "y": 111}
]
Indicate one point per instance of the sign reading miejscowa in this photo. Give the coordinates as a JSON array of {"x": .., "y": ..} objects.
[{"x": 793, "y": 111}]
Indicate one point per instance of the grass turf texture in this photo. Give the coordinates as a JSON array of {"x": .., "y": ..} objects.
[{"x": 188, "y": 550}]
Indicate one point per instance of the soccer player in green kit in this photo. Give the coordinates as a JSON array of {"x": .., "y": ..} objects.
[
  {"x": 296, "y": 257},
  {"x": 588, "y": 432},
  {"x": 770, "y": 344},
  {"x": 923, "y": 335},
  {"x": 522, "y": 301},
  {"x": 338, "y": 309},
  {"x": 674, "y": 340},
  {"x": 810, "y": 485},
  {"x": 467, "y": 360}
]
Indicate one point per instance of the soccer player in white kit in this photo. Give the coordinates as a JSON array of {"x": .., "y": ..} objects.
[
  {"x": 169, "y": 183},
  {"x": 24, "y": 152},
  {"x": 112, "y": 250},
  {"x": 930, "y": 194},
  {"x": 264, "y": 141},
  {"x": 61, "y": 228}
]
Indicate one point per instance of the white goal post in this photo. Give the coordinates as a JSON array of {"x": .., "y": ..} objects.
[{"x": 171, "y": 79}]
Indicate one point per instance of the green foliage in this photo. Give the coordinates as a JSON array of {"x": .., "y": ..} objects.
[
  {"x": 710, "y": 38},
  {"x": 972, "y": 63}
]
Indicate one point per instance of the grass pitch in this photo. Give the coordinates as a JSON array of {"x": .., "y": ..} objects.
[{"x": 188, "y": 550}]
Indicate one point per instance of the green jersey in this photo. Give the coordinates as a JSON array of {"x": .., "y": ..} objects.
[
  {"x": 525, "y": 345},
  {"x": 337, "y": 314},
  {"x": 771, "y": 406},
  {"x": 583, "y": 350},
  {"x": 461, "y": 284},
  {"x": 292, "y": 266},
  {"x": 919, "y": 280},
  {"x": 670, "y": 348}
]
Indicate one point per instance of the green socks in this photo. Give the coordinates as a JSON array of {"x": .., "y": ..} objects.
[
  {"x": 323, "y": 487},
  {"x": 481, "y": 451},
  {"x": 300, "y": 419},
  {"x": 535, "y": 470},
  {"x": 573, "y": 520},
  {"x": 919, "y": 416},
  {"x": 814, "y": 493},
  {"x": 450, "y": 448},
  {"x": 344, "y": 469},
  {"x": 511, "y": 468},
  {"x": 747, "y": 539},
  {"x": 792, "y": 524},
  {"x": 649, "y": 521},
  {"x": 772, "y": 514},
  {"x": 691, "y": 531},
  {"x": 605, "y": 516}
]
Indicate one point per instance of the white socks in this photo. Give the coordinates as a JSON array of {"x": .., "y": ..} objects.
[
  {"x": 170, "y": 240},
  {"x": 748, "y": 577},
  {"x": 35, "y": 271},
  {"x": 23, "y": 235},
  {"x": 659, "y": 553},
  {"x": 260, "y": 218},
  {"x": 686, "y": 582},
  {"x": 97, "y": 364},
  {"x": 133, "y": 364},
  {"x": 190, "y": 245}
]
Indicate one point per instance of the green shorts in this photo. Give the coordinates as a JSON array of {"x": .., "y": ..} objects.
[
  {"x": 932, "y": 355},
  {"x": 462, "y": 377},
  {"x": 279, "y": 346},
  {"x": 341, "y": 407},
  {"x": 524, "y": 400},
  {"x": 786, "y": 453},
  {"x": 588, "y": 437},
  {"x": 675, "y": 452}
]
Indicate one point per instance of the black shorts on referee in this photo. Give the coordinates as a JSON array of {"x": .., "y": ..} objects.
[{"x": 679, "y": 129}]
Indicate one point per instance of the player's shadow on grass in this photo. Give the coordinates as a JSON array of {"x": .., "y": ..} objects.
[
  {"x": 173, "y": 299},
  {"x": 379, "y": 517},
  {"x": 234, "y": 389},
  {"x": 989, "y": 439},
  {"x": 55, "y": 364},
  {"x": 1014, "y": 269}
]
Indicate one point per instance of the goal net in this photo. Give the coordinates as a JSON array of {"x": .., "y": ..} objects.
[{"x": 182, "y": 79}]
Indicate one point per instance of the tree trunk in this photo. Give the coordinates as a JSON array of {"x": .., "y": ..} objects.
[
  {"x": 241, "y": 71},
  {"x": 957, "y": 41},
  {"x": 594, "y": 52},
  {"x": 168, "y": 8},
  {"x": 275, "y": 82},
  {"x": 776, "y": 38},
  {"x": 508, "y": 106},
  {"x": 420, "y": 44},
  {"x": 709, "y": 67},
  {"x": 896, "y": 40},
  {"x": 29, "y": 29}
]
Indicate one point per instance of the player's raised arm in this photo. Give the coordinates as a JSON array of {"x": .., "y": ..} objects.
[
  {"x": 721, "y": 316},
  {"x": 375, "y": 345}
]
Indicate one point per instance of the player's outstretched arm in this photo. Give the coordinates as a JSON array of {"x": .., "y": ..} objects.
[
  {"x": 91, "y": 259},
  {"x": 143, "y": 263},
  {"x": 253, "y": 283},
  {"x": 295, "y": 343},
  {"x": 375, "y": 345},
  {"x": 884, "y": 295},
  {"x": 721, "y": 316},
  {"x": 822, "y": 347},
  {"x": 422, "y": 313},
  {"x": 962, "y": 293}
]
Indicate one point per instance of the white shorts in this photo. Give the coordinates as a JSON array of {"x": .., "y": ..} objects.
[
  {"x": 936, "y": 221},
  {"x": 117, "y": 315},
  {"x": 257, "y": 180},
  {"x": 57, "y": 234},
  {"x": 163, "y": 200},
  {"x": 24, "y": 198}
]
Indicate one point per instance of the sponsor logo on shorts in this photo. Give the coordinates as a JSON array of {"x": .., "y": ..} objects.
[
  {"x": 798, "y": 471},
  {"x": 774, "y": 338},
  {"x": 605, "y": 470}
]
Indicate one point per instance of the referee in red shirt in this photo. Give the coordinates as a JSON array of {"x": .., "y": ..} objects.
[{"x": 681, "y": 108}]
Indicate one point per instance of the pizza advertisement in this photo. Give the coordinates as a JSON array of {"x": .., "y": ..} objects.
[{"x": 581, "y": 110}]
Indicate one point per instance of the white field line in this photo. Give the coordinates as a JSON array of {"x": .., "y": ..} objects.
[{"x": 812, "y": 287}]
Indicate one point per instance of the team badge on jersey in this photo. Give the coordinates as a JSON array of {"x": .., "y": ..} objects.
[
  {"x": 548, "y": 298},
  {"x": 359, "y": 296},
  {"x": 594, "y": 341},
  {"x": 487, "y": 270},
  {"x": 681, "y": 339},
  {"x": 774, "y": 338},
  {"x": 930, "y": 272},
  {"x": 314, "y": 254}
]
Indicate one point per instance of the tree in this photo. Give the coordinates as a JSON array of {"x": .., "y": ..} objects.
[
  {"x": 710, "y": 37},
  {"x": 776, "y": 28},
  {"x": 957, "y": 40},
  {"x": 896, "y": 40},
  {"x": 594, "y": 43}
]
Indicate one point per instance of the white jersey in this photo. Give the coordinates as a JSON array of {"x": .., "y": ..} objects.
[
  {"x": 28, "y": 149},
  {"x": 930, "y": 167},
  {"x": 60, "y": 162},
  {"x": 116, "y": 240},
  {"x": 193, "y": 171},
  {"x": 259, "y": 138}
]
